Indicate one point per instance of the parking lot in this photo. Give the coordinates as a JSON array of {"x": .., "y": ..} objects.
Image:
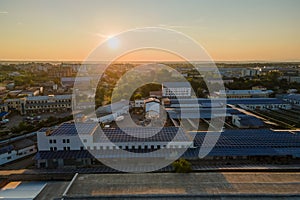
[{"x": 15, "y": 119}]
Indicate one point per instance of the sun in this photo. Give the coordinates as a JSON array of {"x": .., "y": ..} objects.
[{"x": 113, "y": 42}]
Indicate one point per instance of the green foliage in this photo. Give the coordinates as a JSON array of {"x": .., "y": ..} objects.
[
  {"x": 137, "y": 96},
  {"x": 182, "y": 166}
]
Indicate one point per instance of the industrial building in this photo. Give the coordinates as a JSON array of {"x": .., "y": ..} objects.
[
  {"x": 15, "y": 149},
  {"x": 246, "y": 103},
  {"x": 244, "y": 93},
  {"x": 69, "y": 144},
  {"x": 38, "y": 104},
  {"x": 176, "y": 89}
]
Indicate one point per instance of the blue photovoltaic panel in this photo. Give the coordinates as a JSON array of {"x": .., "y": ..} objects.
[
  {"x": 166, "y": 134},
  {"x": 6, "y": 149},
  {"x": 72, "y": 129}
]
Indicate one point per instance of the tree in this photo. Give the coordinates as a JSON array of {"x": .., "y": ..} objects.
[
  {"x": 182, "y": 166},
  {"x": 137, "y": 96}
]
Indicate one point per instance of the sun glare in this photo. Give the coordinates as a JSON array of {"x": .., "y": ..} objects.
[{"x": 113, "y": 42}]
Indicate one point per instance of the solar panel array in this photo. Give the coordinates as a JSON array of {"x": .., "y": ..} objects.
[
  {"x": 204, "y": 113},
  {"x": 6, "y": 149},
  {"x": 231, "y": 143},
  {"x": 145, "y": 134},
  {"x": 74, "y": 154},
  {"x": 72, "y": 129},
  {"x": 254, "y": 139},
  {"x": 203, "y": 102}
]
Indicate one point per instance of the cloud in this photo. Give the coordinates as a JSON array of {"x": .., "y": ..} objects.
[{"x": 3, "y": 12}]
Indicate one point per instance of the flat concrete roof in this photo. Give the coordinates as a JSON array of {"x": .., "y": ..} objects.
[{"x": 231, "y": 185}]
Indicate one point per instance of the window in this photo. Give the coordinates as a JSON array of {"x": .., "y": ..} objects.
[
  {"x": 68, "y": 140},
  {"x": 85, "y": 140},
  {"x": 9, "y": 157},
  {"x": 64, "y": 141},
  {"x": 81, "y": 148},
  {"x": 55, "y": 148},
  {"x": 65, "y": 148},
  {"x": 51, "y": 148},
  {"x": 50, "y": 141},
  {"x": 158, "y": 146},
  {"x": 68, "y": 148},
  {"x": 54, "y": 141}
]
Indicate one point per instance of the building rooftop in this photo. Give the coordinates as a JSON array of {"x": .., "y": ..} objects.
[
  {"x": 114, "y": 106},
  {"x": 215, "y": 185},
  {"x": 72, "y": 129},
  {"x": 292, "y": 97},
  {"x": 144, "y": 134},
  {"x": 249, "y": 142},
  {"x": 203, "y": 113},
  {"x": 176, "y": 84},
  {"x": 244, "y": 92},
  {"x": 251, "y": 121},
  {"x": 38, "y": 98},
  {"x": 219, "y": 102}
]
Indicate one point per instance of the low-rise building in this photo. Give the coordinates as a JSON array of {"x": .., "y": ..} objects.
[
  {"x": 246, "y": 103},
  {"x": 246, "y": 121},
  {"x": 35, "y": 104},
  {"x": 176, "y": 89},
  {"x": 244, "y": 93},
  {"x": 152, "y": 108},
  {"x": 293, "y": 99},
  {"x": 72, "y": 144},
  {"x": 12, "y": 151}
]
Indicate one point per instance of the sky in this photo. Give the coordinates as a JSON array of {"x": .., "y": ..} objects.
[{"x": 229, "y": 30}]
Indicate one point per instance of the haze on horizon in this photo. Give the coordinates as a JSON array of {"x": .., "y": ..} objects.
[{"x": 233, "y": 30}]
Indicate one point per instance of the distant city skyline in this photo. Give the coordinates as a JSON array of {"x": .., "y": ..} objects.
[{"x": 233, "y": 30}]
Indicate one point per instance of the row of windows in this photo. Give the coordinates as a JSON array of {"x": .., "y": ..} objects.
[
  {"x": 46, "y": 101},
  {"x": 152, "y": 147},
  {"x": 47, "y": 106},
  {"x": 19, "y": 154},
  {"x": 55, "y": 148},
  {"x": 64, "y": 141},
  {"x": 267, "y": 106}
]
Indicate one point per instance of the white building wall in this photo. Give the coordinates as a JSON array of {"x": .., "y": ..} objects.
[{"x": 15, "y": 155}]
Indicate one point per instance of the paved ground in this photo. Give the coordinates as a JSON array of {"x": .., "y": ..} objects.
[
  {"x": 53, "y": 190},
  {"x": 15, "y": 119},
  {"x": 194, "y": 184}
]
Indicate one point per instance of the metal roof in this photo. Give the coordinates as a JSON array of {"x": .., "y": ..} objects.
[
  {"x": 250, "y": 121},
  {"x": 217, "y": 102},
  {"x": 39, "y": 98},
  {"x": 292, "y": 97},
  {"x": 176, "y": 84},
  {"x": 244, "y": 92}
]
